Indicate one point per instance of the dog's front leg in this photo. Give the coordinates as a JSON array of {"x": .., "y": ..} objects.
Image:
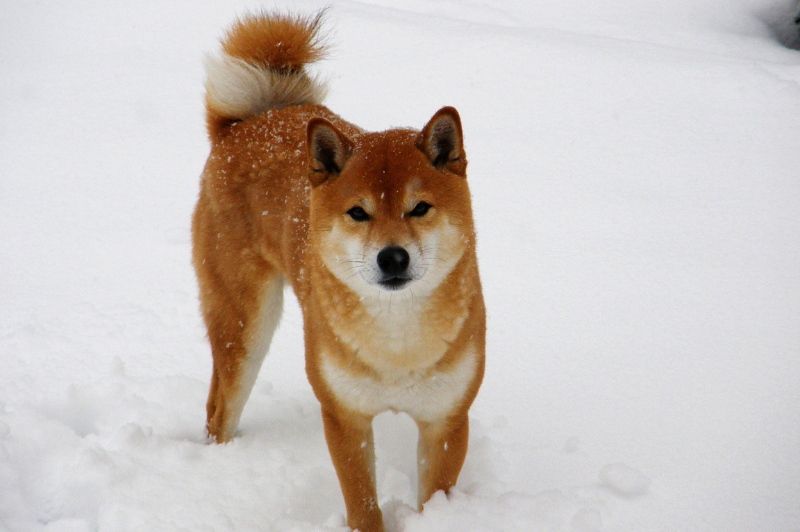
[
  {"x": 350, "y": 442},
  {"x": 440, "y": 455}
]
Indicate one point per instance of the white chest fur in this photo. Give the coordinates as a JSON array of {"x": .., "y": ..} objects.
[
  {"x": 425, "y": 395},
  {"x": 397, "y": 336}
]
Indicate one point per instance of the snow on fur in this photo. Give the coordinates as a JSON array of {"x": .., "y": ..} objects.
[{"x": 262, "y": 65}]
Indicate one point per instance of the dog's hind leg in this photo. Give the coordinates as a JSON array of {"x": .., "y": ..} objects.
[{"x": 240, "y": 336}]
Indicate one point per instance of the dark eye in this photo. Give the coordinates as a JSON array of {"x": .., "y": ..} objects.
[
  {"x": 358, "y": 214},
  {"x": 420, "y": 210}
]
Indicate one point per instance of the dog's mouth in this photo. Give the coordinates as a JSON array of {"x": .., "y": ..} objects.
[{"x": 394, "y": 283}]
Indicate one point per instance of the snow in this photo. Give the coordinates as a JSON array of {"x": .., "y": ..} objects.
[
  {"x": 624, "y": 480},
  {"x": 634, "y": 167}
]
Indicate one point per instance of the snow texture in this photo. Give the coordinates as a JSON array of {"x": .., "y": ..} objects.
[
  {"x": 635, "y": 168},
  {"x": 625, "y": 480}
]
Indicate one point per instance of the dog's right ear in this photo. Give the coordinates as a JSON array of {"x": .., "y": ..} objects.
[{"x": 328, "y": 150}]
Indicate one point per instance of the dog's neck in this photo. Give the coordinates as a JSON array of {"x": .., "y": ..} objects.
[{"x": 395, "y": 331}]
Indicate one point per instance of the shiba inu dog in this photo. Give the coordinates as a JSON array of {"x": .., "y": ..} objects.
[{"x": 374, "y": 233}]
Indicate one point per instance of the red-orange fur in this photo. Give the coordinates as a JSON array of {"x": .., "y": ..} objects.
[
  {"x": 276, "y": 41},
  {"x": 264, "y": 214},
  {"x": 281, "y": 43}
]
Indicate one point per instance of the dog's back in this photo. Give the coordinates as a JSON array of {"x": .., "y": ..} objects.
[{"x": 259, "y": 97}]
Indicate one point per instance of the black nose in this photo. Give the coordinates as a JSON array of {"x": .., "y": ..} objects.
[{"x": 393, "y": 260}]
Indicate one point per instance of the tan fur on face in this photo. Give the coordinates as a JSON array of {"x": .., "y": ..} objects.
[{"x": 273, "y": 208}]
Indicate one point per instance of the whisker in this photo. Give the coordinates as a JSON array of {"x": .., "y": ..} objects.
[
  {"x": 352, "y": 275},
  {"x": 351, "y": 268}
]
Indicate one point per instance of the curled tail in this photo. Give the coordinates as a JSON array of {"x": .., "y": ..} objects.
[{"x": 262, "y": 65}]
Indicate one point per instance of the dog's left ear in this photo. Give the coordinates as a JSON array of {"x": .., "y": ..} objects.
[{"x": 442, "y": 142}]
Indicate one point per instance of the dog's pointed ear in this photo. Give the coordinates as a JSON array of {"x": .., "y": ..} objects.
[
  {"x": 328, "y": 150},
  {"x": 442, "y": 142}
]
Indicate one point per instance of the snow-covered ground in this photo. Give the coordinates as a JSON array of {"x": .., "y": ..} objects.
[{"x": 635, "y": 167}]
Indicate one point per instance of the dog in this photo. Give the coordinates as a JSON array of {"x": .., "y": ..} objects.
[{"x": 374, "y": 233}]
